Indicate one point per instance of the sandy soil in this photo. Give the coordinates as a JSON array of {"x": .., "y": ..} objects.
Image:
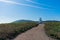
[{"x": 36, "y": 33}]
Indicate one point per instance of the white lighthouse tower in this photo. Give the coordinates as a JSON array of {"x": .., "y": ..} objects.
[{"x": 40, "y": 20}]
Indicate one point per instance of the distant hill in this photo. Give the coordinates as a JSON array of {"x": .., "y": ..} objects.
[
  {"x": 50, "y": 21},
  {"x": 18, "y": 21}
]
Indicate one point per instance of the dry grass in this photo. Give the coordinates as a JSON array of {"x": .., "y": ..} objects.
[
  {"x": 11, "y": 30},
  {"x": 53, "y": 29}
]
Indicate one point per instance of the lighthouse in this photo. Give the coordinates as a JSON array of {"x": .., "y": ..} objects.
[{"x": 40, "y": 20}]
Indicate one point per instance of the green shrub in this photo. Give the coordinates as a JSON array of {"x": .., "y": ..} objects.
[
  {"x": 11, "y": 30},
  {"x": 53, "y": 29}
]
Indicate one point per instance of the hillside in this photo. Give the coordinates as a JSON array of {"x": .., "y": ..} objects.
[
  {"x": 19, "y": 21},
  {"x": 11, "y": 30},
  {"x": 53, "y": 29},
  {"x": 27, "y": 28}
]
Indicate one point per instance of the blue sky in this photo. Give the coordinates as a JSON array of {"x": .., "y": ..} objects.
[{"x": 11, "y": 10}]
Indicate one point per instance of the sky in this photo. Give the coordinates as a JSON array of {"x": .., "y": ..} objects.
[{"x": 12, "y": 10}]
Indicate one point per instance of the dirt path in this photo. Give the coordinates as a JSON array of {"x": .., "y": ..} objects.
[{"x": 36, "y": 33}]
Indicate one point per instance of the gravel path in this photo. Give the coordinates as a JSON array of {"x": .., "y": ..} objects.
[{"x": 36, "y": 33}]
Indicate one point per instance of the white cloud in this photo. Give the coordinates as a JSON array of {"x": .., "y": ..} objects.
[
  {"x": 12, "y": 2},
  {"x": 8, "y": 1},
  {"x": 34, "y": 2},
  {"x": 39, "y": 3}
]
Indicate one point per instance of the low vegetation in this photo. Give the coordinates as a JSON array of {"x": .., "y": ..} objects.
[
  {"x": 53, "y": 29},
  {"x": 11, "y": 30}
]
